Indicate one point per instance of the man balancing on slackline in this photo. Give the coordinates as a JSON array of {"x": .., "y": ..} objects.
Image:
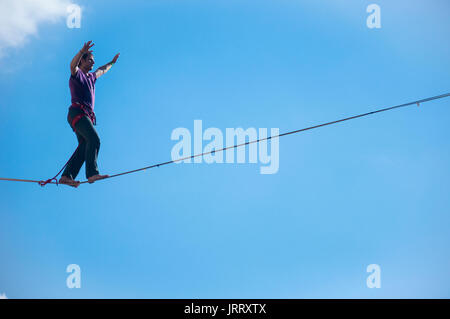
[{"x": 81, "y": 116}]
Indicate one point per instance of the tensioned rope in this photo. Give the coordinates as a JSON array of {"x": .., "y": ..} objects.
[{"x": 418, "y": 102}]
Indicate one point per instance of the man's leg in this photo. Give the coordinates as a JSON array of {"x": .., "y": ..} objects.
[
  {"x": 85, "y": 128},
  {"x": 74, "y": 165}
]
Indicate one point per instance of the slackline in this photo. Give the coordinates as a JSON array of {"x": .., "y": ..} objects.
[{"x": 55, "y": 181}]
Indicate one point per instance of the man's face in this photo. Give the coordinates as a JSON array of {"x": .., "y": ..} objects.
[{"x": 89, "y": 62}]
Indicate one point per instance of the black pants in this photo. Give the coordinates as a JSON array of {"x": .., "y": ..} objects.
[{"x": 88, "y": 147}]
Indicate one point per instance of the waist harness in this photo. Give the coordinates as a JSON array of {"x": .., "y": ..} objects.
[{"x": 85, "y": 112}]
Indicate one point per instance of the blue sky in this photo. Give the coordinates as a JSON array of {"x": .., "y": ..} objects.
[{"x": 369, "y": 191}]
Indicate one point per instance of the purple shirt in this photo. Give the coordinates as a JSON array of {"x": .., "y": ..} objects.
[{"x": 82, "y": 88}]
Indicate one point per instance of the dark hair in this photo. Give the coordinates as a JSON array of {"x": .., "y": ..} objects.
[{"x": 85, "y": 56}]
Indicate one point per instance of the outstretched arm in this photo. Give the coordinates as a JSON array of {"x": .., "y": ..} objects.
[
  {"x": 105, "y": 68},
  {"x": 76, "y": 59}
]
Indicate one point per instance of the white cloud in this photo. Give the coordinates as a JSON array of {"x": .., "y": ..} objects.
[
  {"x": 3, "y": 296},
  {"x": 19, "y": 19}
]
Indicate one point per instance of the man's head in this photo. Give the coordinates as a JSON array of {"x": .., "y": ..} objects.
[{"x": 87, "y": 62}]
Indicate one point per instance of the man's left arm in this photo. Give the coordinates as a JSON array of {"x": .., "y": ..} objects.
[{"x": 105, "y": 68}]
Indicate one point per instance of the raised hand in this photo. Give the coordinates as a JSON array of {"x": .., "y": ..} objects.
[
  {"x": 87, "y": 47},
  {"x": 114, "y": 60},
  {"x": 105, "y": 68}
]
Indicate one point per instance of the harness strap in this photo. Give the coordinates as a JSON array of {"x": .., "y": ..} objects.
[
  {"x": 75, "y": 120},
  {"x": 86, "y": 112}
]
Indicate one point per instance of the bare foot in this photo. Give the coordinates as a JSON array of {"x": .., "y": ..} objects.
[
  {"x": 96, "y": 178},
  {"x": 68, "y": 181}
]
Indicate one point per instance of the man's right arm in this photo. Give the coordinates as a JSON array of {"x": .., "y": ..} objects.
[
  {"x": 76, "y": 59},
  {"x": 75, "y": 62}
]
